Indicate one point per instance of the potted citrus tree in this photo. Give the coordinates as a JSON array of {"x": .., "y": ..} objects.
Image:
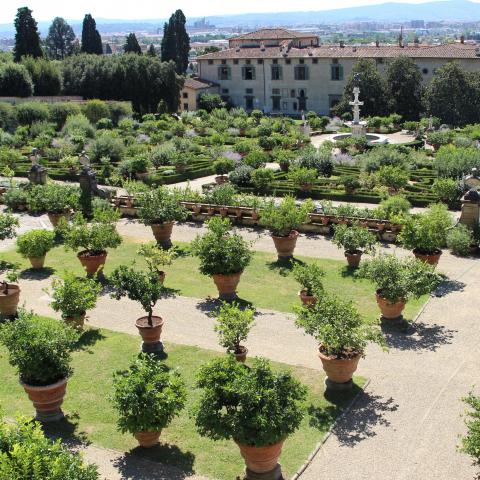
[
  {"x": 342, "y": 334},
  {"x": 283, "y": 220},
  {"x": 255, "y": 406},
  {"x": 310, "y": 279},
  {"x": 92, "y": 238},
  {"x": 233, "y": 326},
  {"x": 73, "y": 296},
  {"x": 303, "y": 178},
  {"x": 223, "y": 256},
  {"x": 144, "y": 287},
  {"x": 8, "y": 226},
  {"x": 398, "y": 280},
  {"x": 147, "y": 397},
  {"x": 59, "y": 200},
  {"x": 355, "y": 240},
  {"x": 426, "y": 233},
  {"x": 159, "y": 209},
  {"x": 222, "y": 167},
  {"x": 156, "y": 258},
  {"x": 40, "y": 349},
  {"x": 34, "y": 245}
]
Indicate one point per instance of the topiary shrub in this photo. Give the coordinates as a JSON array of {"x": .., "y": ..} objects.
[
  {"x": 78, "y": 125},
  {"x": 302, "y": 177},
  {"x": 446, "y": 190},
  {"x": 262, "y": 179},
  {"x": 460, "y": 240},
  {"x": 160, "y": 205},
  {"x": 94, "y": 110},
  {"x": 241, "y": 175},
  {"x": 107, "y": 145},
  {"x": 35, "y": 243},
  {"x": 15, "y": 81}
]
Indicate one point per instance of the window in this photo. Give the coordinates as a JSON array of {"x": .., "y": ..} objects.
[
  {"x": 249, "y": 91},
  {"x": 185, "y": 106},
  {"x": 301, "y": 72},
  {"x": 224, "y": 90},
  {"x": 425, "y": 71},
  {"x": 288, "y": 61},
  {"x": 185, "y": 95},
  {"x": 336, "y": 72},
  {"x": 224, "y": 62},
  {"x": 260, "y": 61},
  {"x": 248, "y": 62},
  {"x": 224, "y": 73},
  {"x": 292, "y": 93},
  {"x": 210, "y": 62},
  {"x": 235, "y": 61},
  {"x": 275, "y": 61},
  {"x": 249, "y": 103},
  {"x": 275, "y": 103},
  {"x": 248, "y": 73},
  {"x": 295, "y": 105},
  {"x": 275, "y": 91},
  {"x": 315, "y": 60},
  {"x": 302, "y": 61},
  {"x": 284, "y": 105},
  {"x": 276, "y": 72},
  {"x": 302, "y": 92}
]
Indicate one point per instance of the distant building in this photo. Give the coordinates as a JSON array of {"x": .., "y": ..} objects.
[
  {"x": 191, "y": 91},
  {"x": 417, "y": 24},
  {"x": 283, "y": 71},
  {"x": 202, "y": 24}
]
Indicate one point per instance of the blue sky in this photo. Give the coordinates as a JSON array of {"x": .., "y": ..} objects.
[{"x": 141, "y": 9}]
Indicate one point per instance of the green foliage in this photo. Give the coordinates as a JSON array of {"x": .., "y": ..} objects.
[
  {"x": 132, "y": 45},
  {"x": 471, "y": 441},
  {"x": 255, "y": 158},
  {"x": 393, "y": 206},
  {"x": 262, "y": 178},
  {"x": 8, "y": 224},
  {"x": 78, "y": 124},
  {"x": 440, "y": 138},
  {"x": 221, "y": 195},
  {"x": 446, "y": 190},
  {"x": 15, "y": 81},
  {"x": 354, "y": 239},
  {"x": 382, "y": 156},
  {"x": 8, "y": 114},
  {"x": 309, "y": 276},
  {"x": 72, "y": 295},
  {"x": 25, "y": 452},
  {"x": 426, "y": 232},
  {"x": 223, "y": 165},
  {"x": 455, "y": 162},
  {"x": 46, "y": 76},
  {"x": 160, "y": 205},
  {"x": 147, "y": 396},
  {"x": 156, "y": 257},
  {"x": 253, "y": 405},
  {"x": 39, "y": 348},
  {"x": 459, "y": 240},
  {"x": 91, "y": 40},
  {"x": 60, "y": 111},
  {"x": 302, "y": 176},
  {"x": 56, "y": 198},
  {"x": 27, "y": 38},
  {"x": 281, "y": 219},
  {"x": 392, "y": 177},
  {"x": 241, "y": 175},
  {"x": 210, "y": 102},
  {"x": 94, "y": 110},
  {"x": 60, "y": 39},
  {"x": 219, "y": 251},
  {"x": 350, "y": 182},
  {"x": 233, "y": 325},
  {"x": 107, "y": 144},
  {"x": 35, "y": 243},
  {"x": 338, "y": 327},
  {"x": 176, "y": 42},
  {"x": 15, "y": 197},
  {"x": 400, "y": 278},
  {"x": 30, "y": 112}
]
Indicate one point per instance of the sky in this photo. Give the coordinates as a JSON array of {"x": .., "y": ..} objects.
[{"x": 143, "y": 9}]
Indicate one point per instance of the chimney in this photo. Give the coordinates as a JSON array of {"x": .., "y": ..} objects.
[
  {"x": 400, "y": 38},
  {"x": 462, "y": 39},
  {"x": 342, "y": 44},
  {"x": 377, "y": 42},
  {"x": 262, "y": 46}
]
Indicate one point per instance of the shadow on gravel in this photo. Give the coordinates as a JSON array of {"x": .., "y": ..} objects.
[
  {"x": 367, "y": 413},
  {"x": 210, "y": 305},
  {"x": 37, "y": 273},
  {"x": 449, "y": 286}
]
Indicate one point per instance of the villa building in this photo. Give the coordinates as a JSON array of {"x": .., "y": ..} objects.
[
  {"x": 192, "y": 89},
  {"x": 282, "y": 71}
]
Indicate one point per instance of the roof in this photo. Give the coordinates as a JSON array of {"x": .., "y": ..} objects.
[
  {"x": 197, "y": 83},
  {"x": 273, "y": 34},
  {"x": 452, "y": 51}
]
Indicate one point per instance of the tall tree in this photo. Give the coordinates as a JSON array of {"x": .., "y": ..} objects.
[
  {"x": 131, "y": 44},
  {"x": 404, "y": 81},
  {"x": 91, "y": 39},
  {"x": 60, "y": 40},
  {"x": 27, "y": 39},
  {"x": 176, "y": 42},
  {"x": 151, "y": 52}
]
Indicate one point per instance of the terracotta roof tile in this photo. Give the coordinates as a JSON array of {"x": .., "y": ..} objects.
[
  {"x": 273, "y": 34},
  {"x": 197, "y": 83}
]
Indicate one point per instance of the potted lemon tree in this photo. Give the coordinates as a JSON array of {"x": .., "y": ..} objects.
[
  {"x": 355, "y": 240},
  {"x": 310, "y": 279},
  {"x": 156, "y": 258},
  {"x": 34, "y": 245}
]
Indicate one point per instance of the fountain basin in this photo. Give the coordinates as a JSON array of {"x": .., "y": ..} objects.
[{"x": 372, "y": 138}]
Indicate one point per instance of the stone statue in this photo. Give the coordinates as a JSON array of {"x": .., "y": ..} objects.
[
  {"x": 356, "y": 79},
  {"x": 37, "y": 174},
  {"x": 88, "y": 184}
]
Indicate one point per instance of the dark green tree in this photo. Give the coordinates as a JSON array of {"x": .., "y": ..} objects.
[
  {"x": 132, "y": 45},
  {"x": 151, "y": 51},
  {"x": 91, "y": 39},
  {"x": 373, "y": 90},
  {"x": 27, "y": 39},
  {"x": 176, "y": 42},
  {"x": 404, "y": 82},
  {"x": 108, "y": 49},
  {"x": 60, "y": 40},
  {"x": 453, "y": 95},
  {"x": 168, "y": 50},
  {"x": 15, "y": 81},
  {"x": 46, "y": 76},
  {"x": 211, "y": 49}
]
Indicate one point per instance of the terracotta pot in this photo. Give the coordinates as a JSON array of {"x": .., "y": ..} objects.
[
  {"x": 55, "y": 218},
  {"x": 285, "y": 245},
  {"x": 353, "y": 259},
  {"x": 239, "y": 213},
  {"x": 92, "y": 263},
  {"x": 242, "y": 356},
  {"x": 210, "y": 210},
  {"x": 9, "y": 301},
  {"x": 261, "y": 459},
  {"x": 307, "y": 299},
  {"x": 47, "y": 400},
  {"x": 221, "y": 179},
  {"x": 223, "y": 211},
  {"x": 150, "y": 335},
  {"x": 227, "y": 285},
  {"x": 430, "y": 258},
  {"x": 390, "y": 310},
  {"x": 161, "y": 276},
  {"x": 147, "y": 439},
  {"x": 141, "y": 175},
  {"x": 339, "y": 370},
  {"x": 163, "y": 233},
  {"x": 76, "y": 321},
  {"x": 306, "y": 187},
  {"x": 197, "y": 209},
  {"x": 255, "y": 215},
  {"x": 37, "y": 262}
]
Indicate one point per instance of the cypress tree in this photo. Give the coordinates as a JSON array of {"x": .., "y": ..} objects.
[
  {"x": 168, "y": 42},
  {"x": 91, "y": 39},
  {"x": 176, "y": 42},
  {"x": 27, "y": 39},
  {"x": 151, "y": 52},
  {"x": 132, "y": 45}
]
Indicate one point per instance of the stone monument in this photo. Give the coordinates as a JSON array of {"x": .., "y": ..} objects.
[
  {"x": 359, "y": 129},
  {"x": 471, "y": 201},
  {"x": 88, "y": 184},
  {"x": 37, "y": 174}
]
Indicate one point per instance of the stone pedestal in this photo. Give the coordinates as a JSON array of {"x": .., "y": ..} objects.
[
  {"x": 275, "y": 474},
  {"x": 338, "y": 387},
  {"x": 470, "y": 213},
  {"x": 37, "y": 175},
  {"x": 359, "y": 130}
]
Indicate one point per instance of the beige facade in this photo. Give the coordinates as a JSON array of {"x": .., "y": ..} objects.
[{"x": 191, "y": 91}]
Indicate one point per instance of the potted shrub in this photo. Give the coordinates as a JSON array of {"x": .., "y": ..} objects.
[
  {"x": 426, "y": 233},
  {"x": 180, "y": 161},
  {"x": 310, "y": 279},
  {"x": 350, "y": 183},
  {"x": 16, "y": 198},
  {"x": 40, "y": 350},
  {"x": 342, "y": 334},
  {"x": 9, "y": 290},
  {"x": 92, "y": 238},
  {"x": 8, "y": 225},
  {"x": 282, "y": 220},
  {"x": 73, "y": 296},
  {"x": 471, "y": 440},
  {"x": 223, "y": 256},
  {"x": 159, "y": 209},
  {"x": 233, "y": 326},
  {"x": 398, "y": 280},
  {"x": 355, "y": 241},
  {"x": 155, "y": 258},
  {"x": 147, "y": 397},
  {"x": 222, "y": 167},
  {"x": 302, "y": 178},
  {"x": 58, "y": 201},
  {"x": 34, "y": 245},
  {"x": 255, "y": 406},
  {"x": 460, "y": 241},
  {"x": 146, "y": 289}
]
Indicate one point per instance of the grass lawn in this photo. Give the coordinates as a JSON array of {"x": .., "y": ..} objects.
[
  {"x": 266, "y": 283},
  {"x": 91, "y": 417}
]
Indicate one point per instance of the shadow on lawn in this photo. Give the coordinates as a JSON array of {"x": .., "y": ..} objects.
[
  {"x": 67, "y": 430},
  {"x": 131, "y": 466},
  {"x": 37, "y": 273},
  {"x": 284, "y": 266},
  {"x": 89, "y": 338},
  {"x": 367, "y": 412}
]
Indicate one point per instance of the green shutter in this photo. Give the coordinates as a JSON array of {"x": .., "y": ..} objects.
[
  {"x": 243, "y": 73},
  {"x": 253, "y": 73},
  {"x": 340, "y": 72}
]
